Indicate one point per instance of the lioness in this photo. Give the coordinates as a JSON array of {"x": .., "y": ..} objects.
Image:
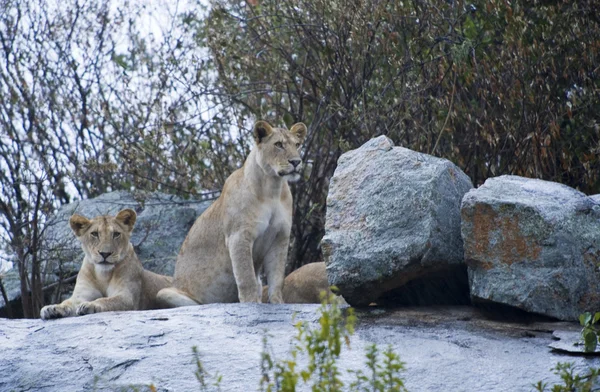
[
  {"x": 111, "y": 276},
  {"x": 245, "y": 230},
  {"x": 304, "y": 285}
]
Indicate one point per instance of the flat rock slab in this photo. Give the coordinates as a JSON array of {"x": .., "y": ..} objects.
[
  {"x": 570, "y": 342},
  {"x": 450, "y": 349}
]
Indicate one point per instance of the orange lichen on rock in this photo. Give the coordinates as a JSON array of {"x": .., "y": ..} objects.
[{"x": 499, "y": 237}]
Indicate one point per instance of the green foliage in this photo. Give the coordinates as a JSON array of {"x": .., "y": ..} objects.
[
  {"x": 572, "y": 382},
  {"x": 322, "y": 347},
  {"x": 381, "y": 377},
  {"x": 497, "y": 87},
  {"x": 589, "y": 332},
  {"x": 203, "y": 377}
]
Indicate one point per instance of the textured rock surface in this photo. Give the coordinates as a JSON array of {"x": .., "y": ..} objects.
[
  {"x": 114, "y": 351},
  {"x": 570, "y": 342},
  {"x": 163, "y": 222},
  {"x": 534, "y": 245},
  {"x": 393, "y": 215}
]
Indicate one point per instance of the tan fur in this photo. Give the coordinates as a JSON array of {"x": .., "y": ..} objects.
[
  {"x": 245, "y": 230},
  {"x": 304, "y": 285},
  {"x": 111, "y": 276}
]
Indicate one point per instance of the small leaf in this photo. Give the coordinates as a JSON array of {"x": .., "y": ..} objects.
[
  {"x": 585, "y": 318},
  {"x": 590, "y": 340}
]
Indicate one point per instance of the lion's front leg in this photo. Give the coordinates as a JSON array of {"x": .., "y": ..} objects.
[
  {"x": 82, "y": 293},
  {"x": 123, "y": 301},
  {"x": 64, "y": 309},
  {"x": 274, "y": 265},
  {"x": 240, "y": 252}
]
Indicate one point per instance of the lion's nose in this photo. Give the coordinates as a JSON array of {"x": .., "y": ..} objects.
[
  {"x": 295, "y": 162},
  {"x": 105, "y": 255}
]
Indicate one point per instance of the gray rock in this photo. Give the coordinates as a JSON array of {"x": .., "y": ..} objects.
[
  {"x": 12, "y": 286},
  {"x": 162, "y": 223},
  {"x": 570, "y": 342},
  {"x": 393, "y": 216},
  {"x": 115, "y": 351},
  {"x": 534, "y": 245},
  {"x": 596, "y": 198}
]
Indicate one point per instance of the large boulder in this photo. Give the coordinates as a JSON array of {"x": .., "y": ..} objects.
[
  {"x": 126, "y": 351},
  {"x": 162, "y": 223},
  {"x": 393, "y": 221},
  {"x": 533, "y": 245}
]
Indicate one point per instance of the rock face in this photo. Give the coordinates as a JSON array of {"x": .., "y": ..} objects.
[
  {"x": 534, "y": 245},
  {"x": 162, "y": 223},
  {"x": 121, "y": 351},
  {"x": 393, "y": 216}
]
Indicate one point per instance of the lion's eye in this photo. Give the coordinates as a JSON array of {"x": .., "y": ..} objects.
[
  {"x": 297, "y": 145},
  {"x": 116, "y": 234},
  {"x": 94, "y": 234},
  {"x": 279, "y": 145}
]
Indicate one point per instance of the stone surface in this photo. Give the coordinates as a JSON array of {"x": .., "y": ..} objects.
[
  {"x": 450, "y": 349},
  {"x": 534, "y": 245},
  {"x": 596, "y": 198},
  {"x": 393, "y": 216},
  {"x": 162, "y": 223},
  {"x": 570, "y": 342},
  {"x": 12, "y": 285}
]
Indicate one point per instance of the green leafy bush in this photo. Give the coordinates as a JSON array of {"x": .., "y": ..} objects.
[
  {"x": 203, "y": 377},
  {"x": 589, "y": 332},
  {"x": 321, "y": 346},
  {"x": 497, "y": 87},
  {"x": 572, "y": 382}
]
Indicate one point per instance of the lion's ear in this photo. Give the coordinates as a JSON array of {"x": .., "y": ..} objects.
[
  {"x": 79, "y": 224},
  {"x": 262, "y": 129},
  {"x": 299, "y": 130},
  {"x": 127, "y": 217}
]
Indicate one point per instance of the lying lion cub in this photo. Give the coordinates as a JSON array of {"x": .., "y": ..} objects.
[
  {"x": 111, "y": 276},
  {"x": 245, "y": 230},
  {"x": 304, "y": 285}
]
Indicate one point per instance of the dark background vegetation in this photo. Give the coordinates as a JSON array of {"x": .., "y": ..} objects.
[{"x": 90, "y": 102}]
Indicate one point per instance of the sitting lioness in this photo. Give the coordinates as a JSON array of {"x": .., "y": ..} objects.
[
  {"x": 304, "y": 285},
  {"x": 111, "y": 276},
  {"x": 245, "y": 230}
]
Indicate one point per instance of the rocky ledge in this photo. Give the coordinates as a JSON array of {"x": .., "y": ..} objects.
[{"x": 450, "y": 348}]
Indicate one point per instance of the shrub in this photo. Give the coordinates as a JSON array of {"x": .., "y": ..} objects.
[
  {"x": 572, "y": 382},
  {"x": 321, "y": 346},
  {"x": 589, "y": 332}
]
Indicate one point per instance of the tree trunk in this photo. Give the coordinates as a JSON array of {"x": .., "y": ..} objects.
[{"x": 9, "y": 312}]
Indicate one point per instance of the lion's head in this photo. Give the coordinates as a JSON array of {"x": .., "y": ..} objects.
[
  {"x": 104, "y": 239},
  {"x": 278, "y": 149}
]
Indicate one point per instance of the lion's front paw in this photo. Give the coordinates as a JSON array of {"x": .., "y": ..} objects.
[
  {"x": 253, "y": 297},
  {"x": 55, "y": 311},
  {"x": 88, "y": 308},
  {"x": 276, "y": 298}
]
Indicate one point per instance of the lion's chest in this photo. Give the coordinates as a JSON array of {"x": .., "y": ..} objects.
[{"x": 271, "y": 221}]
